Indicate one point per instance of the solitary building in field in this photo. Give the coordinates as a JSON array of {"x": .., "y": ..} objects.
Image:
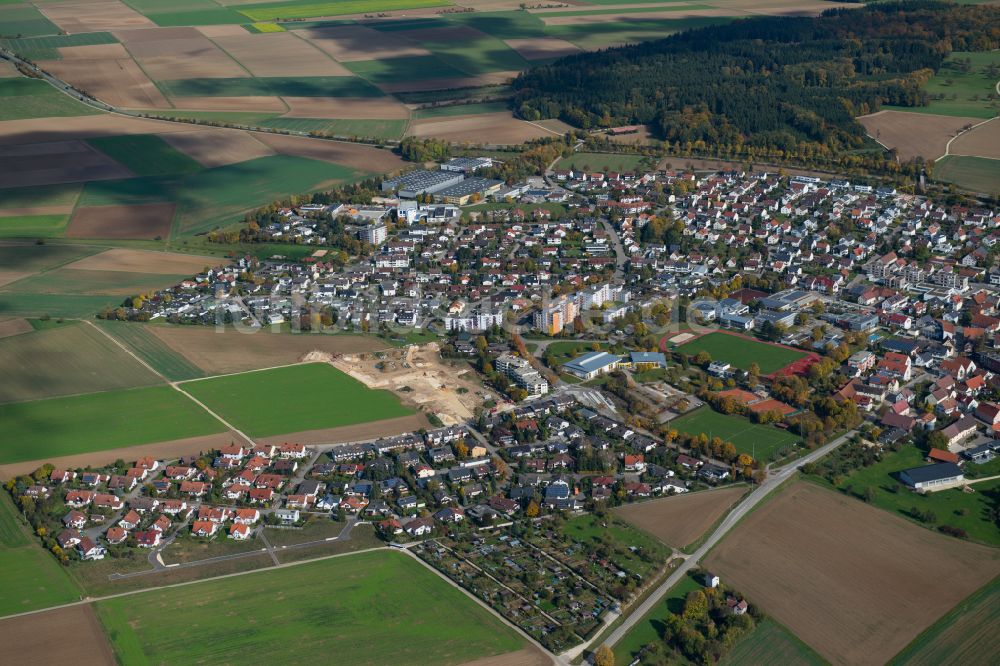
[{"x": 930, "y": 478}]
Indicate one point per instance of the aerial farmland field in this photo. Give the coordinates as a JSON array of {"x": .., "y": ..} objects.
[
  {"x": 311, "y": 396},
  {"x": 368, "y": 608},
  {"x": 680, "y": 520},
  {"x": 93, "y": 422}
]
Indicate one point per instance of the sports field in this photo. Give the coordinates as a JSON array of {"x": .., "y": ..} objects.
[
  {"x": 765, "y": 442},
  {"x": 99, "y": 421},
  {"x": 65, "y": 359},
  {"x": 29, "y": 576},
  {"x": 310, "y": 396},
  {"x": 370, "y": 608},
  {"x": 965, "y": 635},
  {"x": 741, "y": 352}
]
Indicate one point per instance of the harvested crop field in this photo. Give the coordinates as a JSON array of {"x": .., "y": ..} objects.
[
  {"x": 168, "y": 54},
  {"x": 345, "y": 107},
  {"x": 423, "y": 85},
  {"x": 76, "y": 16},
  {"x": 680, "y": 520},
  {"x": 353, "y": 155},
  {"x": 914, "y": 134},
  {"x": 221, "y": 352},
  {"x": 855, "y": 583},
  {"x": 354, "y": 42},
  {"x": 7, "y": 69},
  {"x": 983, "y": 141},
  {"x": 495, "y": 128},
  {"x": 6, "y": 277},
  {"x": 189, "y": 446},
  {"x": 671, "y": 14},
  {"x": 280, "y": 54},
  {"x": 145, "y": 261},
  {"x": 249, "y": 103},
  {"x": 529, "y": 656},
  {"x": 140, "y": 221},
  {"x": 542, "y": 48},
  {"x": 352, "y": 433},
  {"x": 12, "y": 327},
  {"x": 42, "y": 638},
  {"x": 117, "y": 81},
  {"x": 50, "y": 130},
  {"x": 93, "y": 52},
  {"x": 218, "y": 147},
  {"x": 56, "y": 162}
]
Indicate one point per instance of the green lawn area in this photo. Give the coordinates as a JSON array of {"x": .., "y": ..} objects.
[
  {"x": 771, "y": 643},
  {"x": 65, "y": 359},
  {"x": 46, "y": 48},
  {"x": 41, "y": 195},
  {"x": 30, "y": 577},
  {"x": 979, "y": 174},
  {"x": 971, "y": 90},
  {"x": 28, "y": 304},
  {"x": 741, "y": 352},
  {"x": 968, "y": 633},
  {"x": 309, "y": 8},
  {"x": 294, "y": 86},
  {"x": 33, "y": 226},
  {"x": 650, "y": 627},
  {"x": 30, "y": 98},
  {"x": 68, "y": 281},
  {"x": 560, "y": 352},
  {"x": 601, "y": 162},
  {"x": 765, "y": 441},
  {"x": 145, "y": 154},
  {"x": 151, "y": 349},
  {"x": 968, "y": 511},
  {"x": 477, "y": 56},
  {"x": 461, "y": 110},
  {"x": 300, "y": 397},
  {"x": 370, "y": 608},
  {"x": 99, "y": 421},
  {"x": 396, "y": 70},
  {"x": 186, "y": 12},
  {"x": 32, "y": 258}
]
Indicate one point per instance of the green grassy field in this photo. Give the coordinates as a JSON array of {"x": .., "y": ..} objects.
[
  {"x": 43, "y": 195},
  {"x": 741, "y": 352},
  {"x": 30, "y": 98},
  {"x": 764, "y": 441},
  {"x": 381, "y": 129},
  {"x": 978, "y": 174},
  {"x": 396, "y": 70},
  {"x": 966, "y": 94},
  {"x": 145, "y": 155},
  {"x": 186, "y": 12},
  {"x": 28, "y": 304},
  {"x": 33, "y": 226},
  {"x": 309, "y": 9},
  {"x": 99, "y": 421},
  {"x": 967, "y": 634},
  {"x": 370, "y": 608},
  {"x": 600, "y": 34},
  {"x": 294, "y": 398},
  {"x": 294, "y": 86},
  {"x": 46, "y": 48},
  {"x": 151, "y": 349},
  {"x": 650, "y": 627},
  {"x": 461, "y": 110},
  {"x": 601, "y": 162},
  {"x": 29, "y": 576},
  {"x": 771, "y": 643},
  {"x": 477, "y": 56},
  {"x": 968, "y": 511},
  {"x": 71, "y": 281},
  {"x": 66, "y": 359},
  {"x": 32, "y": 258},
  {"x": 24, "y": 21}
]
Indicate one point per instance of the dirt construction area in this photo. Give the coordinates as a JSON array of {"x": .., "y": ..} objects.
[
  {"x": 680, "y": 520},
  {"x": 914, "y": 134},
  {"x": 854, "y": 582},
  {"x": 42, "y": 638},
  {"x": 419, "y": 376}
]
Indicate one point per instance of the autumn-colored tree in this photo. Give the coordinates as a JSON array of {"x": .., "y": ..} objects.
[
  {"x": 533, "y": 509},
  {"x": 461, "y": 449},
  {"x": 604, "y": 656}
]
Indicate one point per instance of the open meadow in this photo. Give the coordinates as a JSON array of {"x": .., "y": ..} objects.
[
  {"x": 764, "y": 442},
  {"x": 96, "y": 422},
  {"x": 30, "y": 577},
  {"x": 310, "y": 396},
  {"x": 740, "y": 351},
  {"x": 369, "y": 608},
  {"x": 855, "y": 583},
  {"x": 682, "y": 519}
]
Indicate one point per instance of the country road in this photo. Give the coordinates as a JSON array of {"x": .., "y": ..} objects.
[{"x": 775, "y": 479}]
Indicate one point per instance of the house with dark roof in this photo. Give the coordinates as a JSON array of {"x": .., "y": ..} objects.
[{"x": 931, "y": 478}]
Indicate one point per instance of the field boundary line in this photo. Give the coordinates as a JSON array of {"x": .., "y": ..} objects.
[{"x": 947, "y": 146}]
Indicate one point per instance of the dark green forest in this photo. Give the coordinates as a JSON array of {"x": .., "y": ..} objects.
[{"x": 786, "y": 86}]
